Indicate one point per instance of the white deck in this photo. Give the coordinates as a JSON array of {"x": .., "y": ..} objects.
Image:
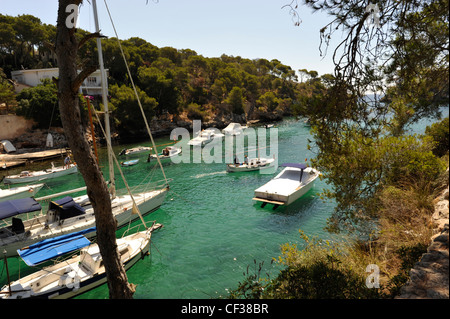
[{"x": 286, "y": 187}]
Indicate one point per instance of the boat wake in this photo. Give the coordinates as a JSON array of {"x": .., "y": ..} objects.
[{"x": 209, "y": 174}]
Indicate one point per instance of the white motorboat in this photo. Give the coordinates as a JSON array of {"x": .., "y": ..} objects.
[
  {"x": 251, "y": 165},
  {"x": 75, "y": 275},
  {"x": 67, "y": 215},
  {"x": 19, "y": 192},
  {"x": 130, "y": 162},
  {"x": 234, "y": 129},
  {"x": 289, "y": 185},
  {"x": 166, "y": 153},
  {"x": 35, "y": 176},
  {"x": 135, "y": 150},
  {"x": 205, "y": 137}
]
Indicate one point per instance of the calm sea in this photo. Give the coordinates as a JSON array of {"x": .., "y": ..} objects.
[{"x": 213, "y": 230}]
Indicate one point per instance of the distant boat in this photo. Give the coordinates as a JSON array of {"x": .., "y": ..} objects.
[
  {"x": 167, "y": 153},
  {"x": 292, "y": 183},
  {"x": 204, "y": 137},
  {"x": 75, "y": 275},
  {"x": 135, "y": 150},
  {"x": 19, "y": 192},
  {"x": 252, "y": 165},
  {"x": 35, "y": 176},
  {"x": 233, "y": 129},
  {"x": 130, "y": 163}
]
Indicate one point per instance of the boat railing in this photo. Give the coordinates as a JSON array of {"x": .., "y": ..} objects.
[{"x": 146, "y": 187}]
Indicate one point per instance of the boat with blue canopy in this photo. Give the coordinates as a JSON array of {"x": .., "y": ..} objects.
[
  {"x": 19, "y": 206},
  {"x": 294, "y": 181},
  {"x": 53, "y": 247},
  {"x": 77, "y": 274}
]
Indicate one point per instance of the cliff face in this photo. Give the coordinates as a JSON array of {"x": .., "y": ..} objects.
[{"x": 429, "y": 277}]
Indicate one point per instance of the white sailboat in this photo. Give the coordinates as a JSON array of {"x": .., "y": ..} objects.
[
  {"x": 19, "y": 192},
  {"x": 292, "y": 183},
  {"x": 35, "y": 176},
  {"x": 75, "y": 275},
  {"x": 124, "y": 207},
  {"x": 65, "y": 216}
]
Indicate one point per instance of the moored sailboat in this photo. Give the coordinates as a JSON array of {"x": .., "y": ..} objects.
[
  {"x": 19, "y": 192},
  {"x": 34, "y": 176},
  {"x": 75, "y": 275}
]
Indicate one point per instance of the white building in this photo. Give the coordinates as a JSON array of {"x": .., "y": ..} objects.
[{"x": 92, "y": 85}]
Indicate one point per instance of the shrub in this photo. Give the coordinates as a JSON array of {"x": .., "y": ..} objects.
[{"x": 439, "y": 133}]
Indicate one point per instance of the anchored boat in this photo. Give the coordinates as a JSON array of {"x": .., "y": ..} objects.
[
  {"x": 251, "y": 165},
  {"x": 19, "y": 192},
  {"x": 167, "y": 153},
  {"x": 34, "y": 176},
  {"x": 135, "y": 150},
  {"x": 75, "y": 275},
  {"x": 289, "y": 185}
]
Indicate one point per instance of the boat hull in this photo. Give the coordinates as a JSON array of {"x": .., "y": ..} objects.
[
  {"x": 40, "y": 176},
  {"x": 249, "y": 168},
  {"x": 269, "y": 193},
  {"x": 147, "y": 203},
  {"x": 68, "y": 287},
  {"x": 19, "y": 192}
]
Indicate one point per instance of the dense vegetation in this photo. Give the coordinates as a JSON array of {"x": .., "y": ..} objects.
[
  {"x": 382, "y": 179},
  {"x": 172, "y": 83},
  {"x": 319, "y": 269}
]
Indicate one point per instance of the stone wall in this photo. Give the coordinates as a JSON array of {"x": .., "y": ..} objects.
[
  {"x": 429, "y": 277},
  {"x": 12, "y": 126}
]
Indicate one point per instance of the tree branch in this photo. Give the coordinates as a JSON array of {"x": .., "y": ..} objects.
[
  {"x": 81, "y": 76},
  {"x": 88, "y": 37}
]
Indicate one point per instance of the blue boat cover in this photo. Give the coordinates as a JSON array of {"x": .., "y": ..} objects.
[
  {"x": 297, "y": 165},
  {"x": 54, "y": 247},
  {"x": 14, "y": 207}
]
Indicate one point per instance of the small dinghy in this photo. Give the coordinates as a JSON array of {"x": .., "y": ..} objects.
[{"x": 130, "y": 163}]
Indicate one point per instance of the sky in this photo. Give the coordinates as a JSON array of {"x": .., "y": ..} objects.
[{"x": 248, "y": 28}]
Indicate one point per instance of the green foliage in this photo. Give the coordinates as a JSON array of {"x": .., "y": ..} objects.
[
  {"x": 125, "y": 107},
  {"x": 236, "y": 100},
  {"x": 40, "y": 103},
  {"x": 7, "y": 94},
  {"x": 319, "y": 270},
  {"x": 195, "y": 112},
  {"x": 176, "y": 79},
  {"x": 22, "y": 43}
]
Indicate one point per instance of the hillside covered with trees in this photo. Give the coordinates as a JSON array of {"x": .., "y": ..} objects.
[{"x": 173, "y": 84}]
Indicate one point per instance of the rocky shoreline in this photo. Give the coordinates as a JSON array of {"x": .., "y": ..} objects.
[{"x": 429, "y": 279}]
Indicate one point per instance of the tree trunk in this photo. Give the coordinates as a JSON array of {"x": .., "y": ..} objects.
[{"x": 66, "y": 48}]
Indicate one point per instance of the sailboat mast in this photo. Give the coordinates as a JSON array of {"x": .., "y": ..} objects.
[{"x": 104, "y": 80}]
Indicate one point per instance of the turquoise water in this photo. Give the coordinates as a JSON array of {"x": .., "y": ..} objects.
[{"x": 212, "y": 229}]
